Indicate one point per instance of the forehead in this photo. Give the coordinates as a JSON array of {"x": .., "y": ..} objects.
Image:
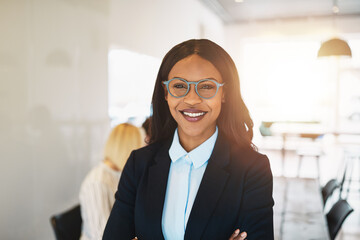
[{"x": 194, "y": 68}]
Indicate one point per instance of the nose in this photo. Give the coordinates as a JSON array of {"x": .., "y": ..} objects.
[{"x": 191, "y": 97}]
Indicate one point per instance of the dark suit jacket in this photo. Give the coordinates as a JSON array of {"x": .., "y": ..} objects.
[{"x": 235, "y": 192}]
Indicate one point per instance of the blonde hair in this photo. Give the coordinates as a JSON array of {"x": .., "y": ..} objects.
[{"x": 122, "y": 140}]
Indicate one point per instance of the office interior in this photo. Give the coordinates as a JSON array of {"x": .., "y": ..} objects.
[{"x": 72, "y": 69}]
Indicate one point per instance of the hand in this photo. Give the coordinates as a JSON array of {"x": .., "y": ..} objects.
[{"x": 237, "y": 235}]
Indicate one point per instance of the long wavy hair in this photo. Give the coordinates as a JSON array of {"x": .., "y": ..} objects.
[{"x": 234, "y": 120}]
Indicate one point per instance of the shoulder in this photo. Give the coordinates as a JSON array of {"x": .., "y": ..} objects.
[
  {"x": 252, "y": 169},
  {"x": 100, "y": 175},
  {"x": 247, "y": 159},
  {"x": 96, "y": 174},
  {"x": 248, "y": 156},
  {"x": 93, "y": 180}
]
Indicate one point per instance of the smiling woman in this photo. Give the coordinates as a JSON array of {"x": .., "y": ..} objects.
[
  {"x": 200, "y": 177},
  {"x": 234, "y": 119},
  {"x": 195, "y": 116}
]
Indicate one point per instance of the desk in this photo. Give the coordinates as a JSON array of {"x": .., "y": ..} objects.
[{"x": 298, "y": 210}]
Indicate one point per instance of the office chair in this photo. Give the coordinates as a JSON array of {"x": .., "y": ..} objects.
[
  {"x": 67, "y": 225},
  {"x": 336, "y": 216},
  {"x": 328, "y": 189}
]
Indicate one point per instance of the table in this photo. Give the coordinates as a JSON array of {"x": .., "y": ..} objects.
[
  {"x": 300, "y": 130},
  {"x": 298, "y": 210}
]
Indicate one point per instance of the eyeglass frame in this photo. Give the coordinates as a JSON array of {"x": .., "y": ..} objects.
[{"x": 218, "y": 85}]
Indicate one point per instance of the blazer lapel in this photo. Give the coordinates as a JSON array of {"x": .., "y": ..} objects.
[
  {"x": 157, "y": 182},
  {"x": 210, "y": 190}
]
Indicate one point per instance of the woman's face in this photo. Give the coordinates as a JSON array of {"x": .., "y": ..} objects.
[{"x": 196, "y": 117}]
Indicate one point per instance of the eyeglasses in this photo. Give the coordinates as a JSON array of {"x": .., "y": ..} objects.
[{"x": 205, "y": 88}]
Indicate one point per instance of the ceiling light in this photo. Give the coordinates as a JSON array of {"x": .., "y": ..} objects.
[
  {"x": 239, "y": 1},
  {"x": 335, "y": 9},
  {"x": 334, "y": 47}
]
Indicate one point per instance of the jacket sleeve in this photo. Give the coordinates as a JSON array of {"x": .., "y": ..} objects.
[
  {"x": 120, "y": 224},
  {"x": 256, "y": 216}
]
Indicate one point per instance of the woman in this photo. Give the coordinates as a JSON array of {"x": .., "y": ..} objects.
[
  {"x": 200, "y": 177},
  {"x": 98, "y": 189}
]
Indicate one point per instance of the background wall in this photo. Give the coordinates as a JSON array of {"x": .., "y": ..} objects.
[
  {"x": 54, "y": 93},
  {"x": 153, "y": 27},
  {"x": 53, "y": 108}
]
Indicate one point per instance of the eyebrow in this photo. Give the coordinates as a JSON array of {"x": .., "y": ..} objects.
[{"x": 210, "y": 78}]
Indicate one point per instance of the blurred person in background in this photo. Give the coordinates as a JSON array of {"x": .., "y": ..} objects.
[
  {"x": 200, "y": 177},
  {"x": 99, "y": 186}
]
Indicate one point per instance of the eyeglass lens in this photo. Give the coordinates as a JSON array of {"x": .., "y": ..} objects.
[{"x": 205, "y": 89}]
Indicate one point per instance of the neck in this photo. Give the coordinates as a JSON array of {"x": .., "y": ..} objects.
[
  {"x": 189, "y": 143},
  {"x": 111, "y": 165}
]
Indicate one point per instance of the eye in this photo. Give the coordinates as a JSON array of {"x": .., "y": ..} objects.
[
  {"x": 180, "y": 85},
  {"x": 207, "y": 86}
]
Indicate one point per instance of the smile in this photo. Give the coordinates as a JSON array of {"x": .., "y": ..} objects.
[{"x": 194, "y": 114}]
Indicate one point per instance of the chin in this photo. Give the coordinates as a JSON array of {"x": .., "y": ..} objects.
[{"x": 196, "y": 131}]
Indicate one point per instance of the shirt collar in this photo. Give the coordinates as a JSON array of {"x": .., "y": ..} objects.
[{"x": 197, "y": 156}]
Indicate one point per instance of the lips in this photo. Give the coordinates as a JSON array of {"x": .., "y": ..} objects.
[{"x": 193, "y": 115}]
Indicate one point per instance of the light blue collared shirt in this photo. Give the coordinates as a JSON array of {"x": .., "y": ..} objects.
[{"x": 185, "y": 174}]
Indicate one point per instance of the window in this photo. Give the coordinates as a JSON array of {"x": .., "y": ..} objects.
[
  {"x": 285, "y": 81},
  {"x": 131, "y": 81}
]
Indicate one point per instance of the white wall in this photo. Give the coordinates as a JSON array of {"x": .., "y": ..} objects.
[
  {"x": 153, "y": 27},
  {"x": 53, "y": 93},
  {"x": 53, "y": 108}
]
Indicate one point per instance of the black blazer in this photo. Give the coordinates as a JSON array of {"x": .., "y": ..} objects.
[{"x": 235, "y": 192}]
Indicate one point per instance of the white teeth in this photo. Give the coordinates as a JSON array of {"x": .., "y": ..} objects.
[{"x": 194, "y": 114}]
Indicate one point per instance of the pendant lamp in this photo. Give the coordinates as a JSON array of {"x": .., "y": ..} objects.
[
  {"x": 338, "y": 48},
  {"x": 334, "y": 47}
]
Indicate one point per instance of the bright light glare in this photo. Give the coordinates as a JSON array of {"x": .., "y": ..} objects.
[
  {"x": 131, "y": 82},
  {"x": 285, "y": 81}
]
